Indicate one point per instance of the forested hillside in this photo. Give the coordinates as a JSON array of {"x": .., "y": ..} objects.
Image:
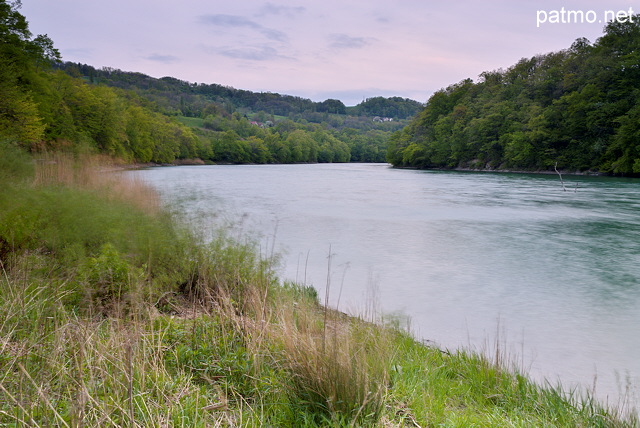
[
  {"x": 578, "y": 108},
  {"x": 47, "y": 104},
  {"x": 45, "y": 109},
  {"x": 191, "y": 99},
  {"x": 240, "y": 126}
]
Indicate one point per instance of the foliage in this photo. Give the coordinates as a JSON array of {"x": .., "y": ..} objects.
[
  {"x": 41, "y": 109},
  {"x": 195, "y": 99},
  {"x": 332, "y": 106},
  {"x": 20, "y": 56},
  {"x": 577, "y": 108},
  {"x": 110, "y": 121},
  {"x": 15, "y": 164},
  {"x": 395, "y": 107},
  {"x": 109, "y": 278},
  {"x": 262, "y": 122},
  {"x": 106, "y": 241}
]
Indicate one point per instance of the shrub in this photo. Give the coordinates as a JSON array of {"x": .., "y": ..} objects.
[{"x": 109, "y": 277}]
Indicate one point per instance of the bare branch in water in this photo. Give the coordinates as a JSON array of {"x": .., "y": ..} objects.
[{"x": 560, "y": 175}]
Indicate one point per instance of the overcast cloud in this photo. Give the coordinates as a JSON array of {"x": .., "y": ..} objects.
[{"x": 349, "y": 50}]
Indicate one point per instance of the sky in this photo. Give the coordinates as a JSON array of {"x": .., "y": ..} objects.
[{"x": 341, "y": 49}]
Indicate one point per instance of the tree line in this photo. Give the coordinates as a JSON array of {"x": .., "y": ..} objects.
[
  {"x": 189, "y": 99},
  {"x": 578, "y": 109},
  {"x": 231, "y": 128}
]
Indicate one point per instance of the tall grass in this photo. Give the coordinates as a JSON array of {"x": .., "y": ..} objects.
[
  {"x": 338, "y": 365},
  {"x": 82, "y": 372},
  {"x": 82, "y": 222},
  {"x": 111, "y": 315},
  {"x": 97, "y": 173}
]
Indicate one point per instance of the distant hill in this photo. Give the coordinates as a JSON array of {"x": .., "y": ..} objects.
[
  {"x": 231, "y": 125},
  {"x": 189, "y": 99},
  {"x": 394, "y": 107},
  {"x": 578, "y": 109}
]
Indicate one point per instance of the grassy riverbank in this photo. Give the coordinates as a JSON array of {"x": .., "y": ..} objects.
[{"x": 112, "y": 314}]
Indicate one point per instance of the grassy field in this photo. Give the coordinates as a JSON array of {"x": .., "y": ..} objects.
[
  {"x": 112, "y": 314},
  {"x": 192, "y": 122}
]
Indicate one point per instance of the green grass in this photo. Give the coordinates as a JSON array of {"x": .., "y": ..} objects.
[
  {"x": 461, "y": 389},
  {"x": 112, "y": 315},
  {"x": 192, "y": 122}
]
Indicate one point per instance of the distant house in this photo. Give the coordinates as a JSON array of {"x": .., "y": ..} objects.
[
  {"x": 382, "y": 119},
  {"x": 267, "y": 124}
]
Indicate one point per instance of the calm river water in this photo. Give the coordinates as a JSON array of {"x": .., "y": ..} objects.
[{"x": 471, "y": 259}]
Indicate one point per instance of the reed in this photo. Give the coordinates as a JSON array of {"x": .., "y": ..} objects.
[
  {"x": 338, "y": 365},
  {"x": 95, "y": 172}
]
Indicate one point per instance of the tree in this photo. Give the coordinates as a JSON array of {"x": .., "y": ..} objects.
[
  {"x": 332, "y": 106},
  {"x": 139, "y": 134},
  {"x": 258, "y": 150},
  {"x": 302, "y": 147},
  {"x": 330, "y": 149},
  {"x": 20, "y": 56},
  {"x": 396, "y": 107},
  {"x": 624, "y": 152},
  {"x": 230, "y": 148},
  {"x": 279, "y": 151},
  {"x": 19, "y": 119}
]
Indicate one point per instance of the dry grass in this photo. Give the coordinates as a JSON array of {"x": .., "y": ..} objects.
[
  {"x": 338, "y": 365},
  {"x": 95, "y": 172},
  {"x": 335, "y": 366}
]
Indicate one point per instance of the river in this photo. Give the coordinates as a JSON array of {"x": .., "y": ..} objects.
[{"x": 476, "y": 260}]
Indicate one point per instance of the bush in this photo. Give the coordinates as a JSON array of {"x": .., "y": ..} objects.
[
  {"x": 109, "y": 277},
  {"x": 15, "y": 164}
]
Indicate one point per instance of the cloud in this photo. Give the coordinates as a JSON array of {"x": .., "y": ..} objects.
[
  {"x": 251, "y": 53},
  {"x": 165, "y": 59},
  {"x": 229, "y": 21},
  {"x": 84, "y": 53},
  {"x": 275, "y": 9},
  {"x": 344, "y": 41},
  {"x": 274, "y": 35},
  {"x": 235, "y": 21},
  {"x": 383, "y": 20}
]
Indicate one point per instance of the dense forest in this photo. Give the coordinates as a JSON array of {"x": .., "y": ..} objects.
[
  {"x": 240, "y": 126},
  {"x": 578, "y": 109},
  {"x": 191, "y": 99},
  {"x": 48, "y": 104}
]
